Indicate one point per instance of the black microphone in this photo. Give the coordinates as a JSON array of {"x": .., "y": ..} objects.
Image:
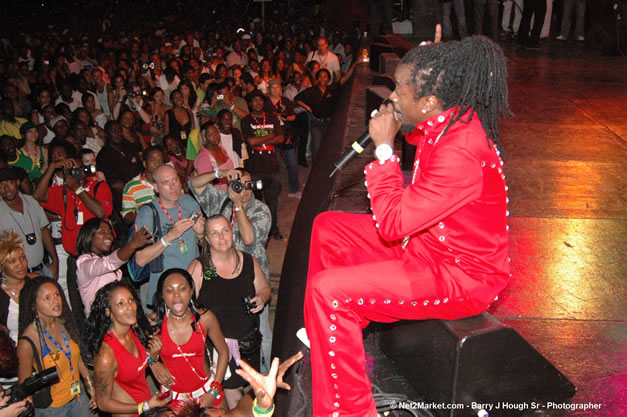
[{"x": 357, "y": 146}]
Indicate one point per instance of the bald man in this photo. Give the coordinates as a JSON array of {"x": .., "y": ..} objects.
[{"x": 177, "y": 241}]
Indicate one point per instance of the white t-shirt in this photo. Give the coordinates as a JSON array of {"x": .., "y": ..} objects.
[
  {"x": 330, "y": 62},
  {"x": 227, "y": 144},
  {"x": 12, "y": 319},
  {"x": 75, "y": 104}
]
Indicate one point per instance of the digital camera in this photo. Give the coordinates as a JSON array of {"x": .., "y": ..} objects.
[
  {"x": 238, "y": 186},
  {"x": 248, "y": 304},
  {"x": 30, "y": 386},
  {"x": 80, "y": 172}
]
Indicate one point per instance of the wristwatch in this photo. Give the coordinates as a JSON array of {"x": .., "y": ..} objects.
[
  {"x": 145, "y": 406},
  {"x": 384, "y": 152}
]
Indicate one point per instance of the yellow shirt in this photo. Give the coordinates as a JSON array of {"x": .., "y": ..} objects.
[
  {"x": 60, "y": 391},
  {"x": 12, "y": 129}
]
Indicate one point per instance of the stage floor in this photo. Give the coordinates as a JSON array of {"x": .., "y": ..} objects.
[{"x": 565, "y": 168}]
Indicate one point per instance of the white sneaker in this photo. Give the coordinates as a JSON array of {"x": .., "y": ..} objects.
[
  {"x": 302, "y": 336},
  {"x": 581, "y": 38},
  {"x": 297, "y": 194},
  {"x": 561, "y": 38}
]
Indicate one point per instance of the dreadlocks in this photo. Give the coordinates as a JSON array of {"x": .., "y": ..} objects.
[{"x": 470, "y": 75}]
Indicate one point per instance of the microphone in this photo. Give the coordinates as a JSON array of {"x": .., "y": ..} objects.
[{"x": 357, "y": 146}]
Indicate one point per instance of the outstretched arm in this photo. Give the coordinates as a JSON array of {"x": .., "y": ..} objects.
[{"x": 264, "y": 387}]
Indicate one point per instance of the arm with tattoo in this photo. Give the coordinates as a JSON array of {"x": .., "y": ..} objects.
[{"x": 105, "y": 368}]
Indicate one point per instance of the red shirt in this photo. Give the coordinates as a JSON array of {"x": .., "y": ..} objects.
[
  {"x": 73, "y": 211},
  {"x": 455, "y": 210},
  {"x": 180, "y": 359},
  {"x": 131, "y": 375}
]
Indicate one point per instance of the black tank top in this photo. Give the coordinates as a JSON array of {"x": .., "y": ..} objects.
[
  {"x": 175, "y": 128},
  {"x": 224, "y": 298}
]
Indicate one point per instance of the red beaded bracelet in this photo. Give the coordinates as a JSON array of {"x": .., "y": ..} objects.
[{"x": 216, "y": 386}]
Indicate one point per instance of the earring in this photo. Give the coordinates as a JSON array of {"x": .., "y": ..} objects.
[{"x": 424, "y": 110}]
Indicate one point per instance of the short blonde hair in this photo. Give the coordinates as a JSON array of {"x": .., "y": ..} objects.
[{"x": 9, "y": 241}]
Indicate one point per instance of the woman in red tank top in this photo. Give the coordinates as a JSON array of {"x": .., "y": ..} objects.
[
  {"x": 183, "y": 331},
  {"x": 118, "y": 336}
]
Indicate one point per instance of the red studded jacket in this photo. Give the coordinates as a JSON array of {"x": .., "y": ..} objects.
[{"x": 454, "y": 213}]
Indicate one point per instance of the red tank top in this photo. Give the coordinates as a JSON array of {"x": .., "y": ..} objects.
[
  {"x": 179, "y": 359},
  {"x": 131, "y": 376}
]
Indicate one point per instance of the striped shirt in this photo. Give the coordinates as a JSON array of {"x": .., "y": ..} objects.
[{"x": 137, "y": 192}]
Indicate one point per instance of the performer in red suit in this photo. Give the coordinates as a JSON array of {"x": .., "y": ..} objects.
[{"x": 435, "y": 249}]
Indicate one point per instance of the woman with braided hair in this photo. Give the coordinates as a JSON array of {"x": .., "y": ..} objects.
[
  {"x": 435, "y": 249},
  {"x": 118, "y": 335},
  {"x": 50, "y": 338}
]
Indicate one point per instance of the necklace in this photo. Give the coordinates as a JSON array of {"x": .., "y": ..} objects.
[
  {"x": 177, "y": 317},
  {"x": 211, "y": 271},
  {"x": 236, "y": 262},
  {"x": 257, "y": 121},
  {"x": 178, "y": 347},
  {"x": 168, "y": 214},
  {"x": 10, "y": 291}
]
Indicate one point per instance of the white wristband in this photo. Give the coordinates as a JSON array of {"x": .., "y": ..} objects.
[
  {"x": 164, "y": 242},
  {"x": 384, "y": 152},
  {"x": 217, "y": 172}
]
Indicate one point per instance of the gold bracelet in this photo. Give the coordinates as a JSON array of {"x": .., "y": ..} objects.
[{"x": 140, "y": 408}]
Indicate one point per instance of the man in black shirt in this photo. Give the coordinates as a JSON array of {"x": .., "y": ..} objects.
[
  {"x": 320, "y": 101},
  {"x": 118, "y": 161},
  {"x": 262, "y": 132}
]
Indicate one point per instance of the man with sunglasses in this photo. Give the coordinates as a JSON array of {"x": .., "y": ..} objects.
[{"x": 21, "y": 213}]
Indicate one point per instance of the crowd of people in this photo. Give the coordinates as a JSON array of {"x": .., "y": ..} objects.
[{"x": 158, "y": 149}]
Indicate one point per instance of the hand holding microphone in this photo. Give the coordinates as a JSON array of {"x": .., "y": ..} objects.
[{"x": 383, "y": 125}]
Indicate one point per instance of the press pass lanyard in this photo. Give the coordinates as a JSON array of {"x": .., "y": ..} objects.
[
  {"x": 168, "y": 214},
  {"x": 67, "y": 354}
]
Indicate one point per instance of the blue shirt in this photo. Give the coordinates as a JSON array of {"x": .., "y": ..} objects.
[{"x": 173, "y": 257}]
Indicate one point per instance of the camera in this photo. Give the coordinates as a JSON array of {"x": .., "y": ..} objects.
[
  {"x": 220, "y": 97},
  {"x": 248, "y": 304},
  {"x": 30, "y": 386},
  {"x": 146, "y": 66},
  {"x": 80, "y": 172},
  {"x": 238, "y": 186}
]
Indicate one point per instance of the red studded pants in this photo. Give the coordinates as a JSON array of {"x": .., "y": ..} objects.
[{"x": 355, "y": 277}]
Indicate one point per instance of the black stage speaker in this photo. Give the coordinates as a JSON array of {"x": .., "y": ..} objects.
[
  {"x": 388, "y": 62},
  {"x": 384, "y": 79},
  {"x": 374, "y": 97},
  {"x": 474, "y": 359},
  {"x": 376, "y": 49}
]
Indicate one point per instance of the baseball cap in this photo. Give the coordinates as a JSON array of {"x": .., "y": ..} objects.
[
  {"x": 207, "y": 112},
  {"x": 245, "y": 36},
  {"x": 56, "y": 120},
  {"x": 274, "y": 82}
]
